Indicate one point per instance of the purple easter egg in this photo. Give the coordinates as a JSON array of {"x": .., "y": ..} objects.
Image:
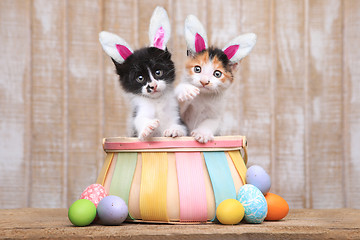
[
  {"x": 258, "y": 177},
  {"x": 112, "y": 210}
]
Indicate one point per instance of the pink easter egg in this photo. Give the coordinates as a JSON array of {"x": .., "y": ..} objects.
[{"x": 94, "y": 193}]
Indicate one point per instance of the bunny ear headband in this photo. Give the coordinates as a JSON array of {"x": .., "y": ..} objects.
[
  {"x": 159, "y": 34},
  {"x": 196, "y": 41}
]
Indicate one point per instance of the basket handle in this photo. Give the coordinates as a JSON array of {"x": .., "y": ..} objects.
[{"x": 244, "y": 146}]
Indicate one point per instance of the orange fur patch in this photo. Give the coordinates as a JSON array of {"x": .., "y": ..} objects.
[
  {"x": 202, "y": 59},
  {"x": 199, "y": 60},
  {"x": 219, "y": 66}
]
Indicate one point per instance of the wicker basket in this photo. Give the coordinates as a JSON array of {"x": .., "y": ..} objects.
[{"x": 174, "y": 180}]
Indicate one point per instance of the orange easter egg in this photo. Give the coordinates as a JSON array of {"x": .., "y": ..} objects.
[{"x": 278, "y": 208}]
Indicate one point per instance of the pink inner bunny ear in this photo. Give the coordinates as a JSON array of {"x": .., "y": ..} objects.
[
  {"x": 231, "y": 50},
  {"x": 123, "y": 51},
  {"x": 159, "y": 38},
  {"x": 199, "y": 43}
]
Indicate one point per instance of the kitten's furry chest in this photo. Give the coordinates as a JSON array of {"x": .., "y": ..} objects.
[
  {"x": 204, "y": 106},
  {"x": 164, "y": 108}
]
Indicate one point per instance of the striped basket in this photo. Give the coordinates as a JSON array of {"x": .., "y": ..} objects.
[{"x": 173, "y": 180}]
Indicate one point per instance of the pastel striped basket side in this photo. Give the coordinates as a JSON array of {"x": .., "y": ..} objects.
[{"x": 174, "y": 180}]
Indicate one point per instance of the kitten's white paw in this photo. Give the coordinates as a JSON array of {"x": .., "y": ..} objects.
[
  {"x": 202, "y": 136},
  {"x": 189, "y": 92},
  {"x": 175, "y": 131},
  {"x": 149, "y": 129}
]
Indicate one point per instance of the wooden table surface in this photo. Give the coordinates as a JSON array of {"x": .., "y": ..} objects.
[{"x": 299, "y": 224}]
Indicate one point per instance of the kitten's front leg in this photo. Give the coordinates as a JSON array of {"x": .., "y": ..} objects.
[
  {"x": 149, "y": 127},
  {"x": 206, "y": 130},
  {"x": 186, "y": 92},
  {"x": 145, "y": 124},
  {"x": 171, "y": 120}
]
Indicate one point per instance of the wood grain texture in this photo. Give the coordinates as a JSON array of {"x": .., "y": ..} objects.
[
  {"x": 351, "y": 105},
  {"x": 47, "y": 127},
  {"x": 115, "y": 103},
  {"x": 299, "y": 224},
  {"x": 289, "y": 103},
  {"x": 84, "y": 95},
  {"x": 255, "y": 83},
  {"x": 15, "y": 101},
  {"x": 325, "y": 104}
]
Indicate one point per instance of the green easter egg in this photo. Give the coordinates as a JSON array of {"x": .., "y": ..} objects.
[{"x": 82, "y": 212}]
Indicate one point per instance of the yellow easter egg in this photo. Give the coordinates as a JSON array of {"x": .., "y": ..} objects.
[{"x": 230, "y": 212}]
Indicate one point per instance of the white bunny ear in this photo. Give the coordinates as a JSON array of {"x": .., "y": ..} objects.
[
  {"x": 195, "y": 34},
  {"x": 240, "y": 47},
  {"x": 115, "y": 46},
  {"x": 159, "y": 29}
]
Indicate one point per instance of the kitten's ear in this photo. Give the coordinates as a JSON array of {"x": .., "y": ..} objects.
[
  {"x": 159, "y": 29},
  {"x": 115, "y": 46},
  {"x": 195, "y": 35},
  {"x": 240, "y": 47}
]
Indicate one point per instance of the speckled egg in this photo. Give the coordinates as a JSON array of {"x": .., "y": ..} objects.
[
  {"x": 253, "y": 202},
  {"x": 112, "y": 210},
  {"x": 94, "y": 193},
  {"x": 258, "y": 177}
]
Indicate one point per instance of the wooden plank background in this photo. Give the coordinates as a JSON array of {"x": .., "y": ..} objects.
[{"x": 296, "y": 97}]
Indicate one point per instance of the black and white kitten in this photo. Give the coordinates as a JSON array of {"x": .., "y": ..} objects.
[{"x": 147, "y": 77}]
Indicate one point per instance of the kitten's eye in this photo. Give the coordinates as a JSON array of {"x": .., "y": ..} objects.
[
  {"x": 158, "y": 73},
  {"x": 140, "y": 79},
  {"x": 217, "y": 74},
  {"x": 197, "y": 69}
]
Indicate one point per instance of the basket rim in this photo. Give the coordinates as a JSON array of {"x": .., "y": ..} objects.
[{"x": 126, "y": 144}]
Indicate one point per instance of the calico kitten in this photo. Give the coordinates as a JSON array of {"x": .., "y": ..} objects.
[
  {"x": 208, "y": 74},
  {"x": 147, "y": 77}
]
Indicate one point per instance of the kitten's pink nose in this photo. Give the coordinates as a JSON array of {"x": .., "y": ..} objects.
[
  {"x": 204, "y": 82},
  {"x": 153, "y": 86}
]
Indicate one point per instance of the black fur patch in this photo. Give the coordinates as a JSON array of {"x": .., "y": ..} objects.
[
  {"x": 213, "y": 51},
  {"x": 221, "y": 56},
  {"x": 138, "y": 64}
]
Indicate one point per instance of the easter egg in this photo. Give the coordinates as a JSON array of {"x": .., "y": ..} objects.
[
  {"x": 258, "y": 177},
  {"x": 112, "y": 210},
  {"x": 278, "y": 208},
  {"x": 94, "y": 193},
  {"x": 253, "y": 202},
  {"x": 82, "y": 212},
  {"x": 230, "y": 211}
]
